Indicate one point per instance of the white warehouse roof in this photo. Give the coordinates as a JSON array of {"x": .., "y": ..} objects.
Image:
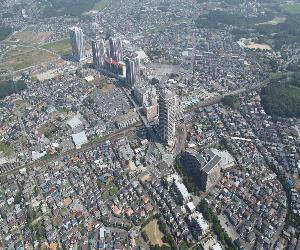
[
  {"x": 74, "y": 122},
  {"x": 79, "y": 139}
]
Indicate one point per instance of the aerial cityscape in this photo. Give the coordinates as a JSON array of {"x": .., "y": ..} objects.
[{"x": 150, "y": 124}]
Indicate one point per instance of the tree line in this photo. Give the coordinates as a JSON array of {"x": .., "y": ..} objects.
[
  {"x": 216, "y": 18},
  {"x": 211, "y": 217},
  {"x": 10, "y": 87},
  {"x": 281, "y": 100},
  {"x": 5, "y": 31},
  {"x": 55, "y": 8}
]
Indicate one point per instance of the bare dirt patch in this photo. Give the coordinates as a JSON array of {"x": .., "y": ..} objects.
[
  {"x": 146, "y": 177},
  {"x": 253, "y": 45},
  {"x": 154, "y": 234},
  {"x": 32, "y": 37}
]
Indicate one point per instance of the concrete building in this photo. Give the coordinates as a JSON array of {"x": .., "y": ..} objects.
[
  {"x": 193, "y": 162},
  {"x": 115, "y": 68},
  {"x": 79, "y": 139},
  {"x": 132, "y": 71},
  {"x": 227, "y": 159},
  {"x": 77, "y": 43},
  {"x": 199, "y": 224},
  {"x": 146, "y": 97},
  {"x": 74, "y": 122},
  {"x": 115, "y": 49},
  {"x": 99, "y": 55},
  {"x": 167, "y": 116},
  {"x": 210, "y": 173},
  {"x": 127, "y": 120},
  {"x": 181, "y": 192},
  {"x": 206, "y": 168}
]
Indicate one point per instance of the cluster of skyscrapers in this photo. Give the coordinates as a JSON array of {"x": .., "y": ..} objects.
[
  {"x": 98, "y": 50},
  {"x": 115, "y": 49},
  {"x": 108, "y": 59}
]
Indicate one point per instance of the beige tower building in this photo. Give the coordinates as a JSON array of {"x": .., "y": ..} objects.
[{"x": 167, "y": 116}]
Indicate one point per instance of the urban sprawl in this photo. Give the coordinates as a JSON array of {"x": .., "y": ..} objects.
[{"x": 139, "y": 129}]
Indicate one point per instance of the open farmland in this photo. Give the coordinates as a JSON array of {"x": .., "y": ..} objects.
[{"x": 22, "y": 59}]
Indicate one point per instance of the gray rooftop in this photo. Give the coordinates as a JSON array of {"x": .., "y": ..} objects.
[
  {"x": 197, "y": 155},
  {"x": 211, "y": 164},
  {"x": 167, "y": 94}
]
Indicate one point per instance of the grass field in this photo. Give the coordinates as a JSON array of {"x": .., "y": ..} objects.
[
  {"x": 5, "y": 149},
  {"x": 154, "y": 234},
  {"x": 101, "y": 5},
  {"x": 110, "y": 190},
  {"x": 63, "y": 211},
  {"x": 183, "y": 246},
  {"x": 276, "y": 76},
  {"x": 293, "y": 9},
  {"x": 71, "y": 19},
  {"x": 275, "y": 21},
  {"x": 270, "y": 41},
  {"x": 62, "y": 47},
  {"x": 15, "y": 51},
  {"x": 48, "y": 129},
  {"x": 21, "y": 58}
]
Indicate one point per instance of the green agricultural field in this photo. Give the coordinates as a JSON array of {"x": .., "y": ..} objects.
[
  {"x": 101, "y": 5},
  {"x": 293, "y": 9},
  {"x": 276, "y": 75},
  {"x": 62, "y": 47}
]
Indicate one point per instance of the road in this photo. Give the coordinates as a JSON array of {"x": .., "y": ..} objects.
[
  {"x": 21, "y": 123},
  {"x": 217, "y": 99},
  {"x": 226, "y": 225},
  {"x": 40, "y": 162},
  {"x": 181, "y": 138}
]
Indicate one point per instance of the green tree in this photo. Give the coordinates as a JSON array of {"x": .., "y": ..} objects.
[
  {"x": 281, "y": 100},
  {"x": 5, "y": 31},
  {"x": 8, "y": 87},
  {"x": 18, "y": 197},
  {"x": 232, "y": 100}
]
